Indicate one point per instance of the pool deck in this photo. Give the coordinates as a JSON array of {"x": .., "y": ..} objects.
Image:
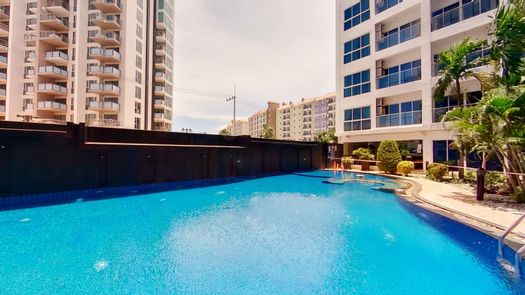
[{"x": 460, "y": 204}]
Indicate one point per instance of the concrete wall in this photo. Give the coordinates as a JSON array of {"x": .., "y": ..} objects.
[{"x": 38, "y": 158}]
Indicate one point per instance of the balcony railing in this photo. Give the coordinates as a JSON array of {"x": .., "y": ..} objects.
[
  {"x": 101, "y": 87},
  {"x": 3, "y": 76},
  {"x": 51, "y": 105},
  {"x": 56, "y": 54},
  {"x": 104, "y": 70},
  {"x": 52, "y": 87},
  {"x": 3, "y": 59},
  {"x": 402, "y": 77},
  {"x": 105, "y": 52},
  {"x": 103, "y": 105},
  {"x": 62, "y": 3},
  {"x": 3, "y": 92},
  {"x": 53, "y": 34},
  {"x": 462, "y": 12},
  {"x": 52, "y": 70},
  {"x": 51, "y": 16},
  {"x": 399, "y": 119},
  {"x": 2, "y": 108},
  {"x": 103, "y": 123},
  {"x": 479, "y": 55},
  {"x": 4, "y": 26},
  {"x": 162, "y": 116},
  {"x": 382, "y": 5},
  {"x": 401, "y": 36}
]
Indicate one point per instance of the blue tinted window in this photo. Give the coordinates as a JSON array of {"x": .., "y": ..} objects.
[
  {"x": 393, "y": 109},
  {"x": 356, "y": 78},
  {"x": 356, "y": 9},
  {"x": 417, "y": 105},
  {"x": 348, "y": 92},
  {"x": 357, "y": 83},
  {"x": 356, "y": 14},
  {"x": 365, "y": 76},
  {"x": 348, "y": 115},
  {"x": 406, "y": 107},
  {"x": 366, "y": 112},
  {"x": 365, "y": 5},
  {"x": 357, "y": 48},
  {"x": 365, "y": 39}
]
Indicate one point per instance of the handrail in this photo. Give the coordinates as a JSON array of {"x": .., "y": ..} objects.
[
  {"x": 506, "y": 233},
  {"x": 517, "y": 259}
]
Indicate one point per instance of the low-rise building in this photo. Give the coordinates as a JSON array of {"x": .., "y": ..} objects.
[
  {"x": 262, "y": 117},
  {"x": 239, "y": 128}
]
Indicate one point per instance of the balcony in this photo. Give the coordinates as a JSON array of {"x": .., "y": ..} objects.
[
  {"x": 3, "y": 93},
  {"x": 107, "y": 39},
  {"x": 51, "y": 88},
  {"x": 399, "y": 119},
  {"x": 398, "y": 78},
  {"x": 104, "y": 72},
  {"x": 108, "y": 22},
  {"x": 2, "y": 109},
  {"x": 52, "y": 22},
  {"x": 160, "y": 49},
  {"x": 57, "y": 57},
  {"x": 28, "y": 107},
  {"x": 31, "y": 6},
  {"x": 30, "y": 38},
  {"x": 4, "y": 12},
  {"x": 160, "y": 77},
  {"x": 160, "y": 90},
  {"x": 398, "y": 37},
  {"x": 160, "y": 36},
  {"x": 462, "y": 13},
  {"x": 103, "y": 106},
  {"x": 103, "y": 123},
  {"x": 4, "y": 30},
  {"x": 57, "y": 7},
  {"x": 3, "y": 62},
  {"x": 3, "y": 78},
  {"x": 29, "y": 90},
  {"x": 53, "y": 38},
  {"x": 162, "y": 103},
  {"x": 382, "y": 5},
  {"x": 104, "y": 89},
  {"x": 29, "y": 74},
  {"x": 51, "y": 106},
  {"x": 160, "y": 63},
  {"x": 4, "y": 45},
  {"x": 107, "y": 6},
  {"x": 52, "y": 72},
  {"x": 477, "y": 58},
  {"x": 163, "y": 21},
  {"x": 105, "y": 55},
  {"x": 162, "y": 117}
]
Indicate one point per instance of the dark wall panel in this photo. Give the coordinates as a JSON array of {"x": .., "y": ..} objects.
[{"x": 38, "y": 158}]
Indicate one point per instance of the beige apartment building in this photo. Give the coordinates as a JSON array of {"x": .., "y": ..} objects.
[
  {"x": 262, "y": 117},
  {"x": 241, "y": 127},
  {"x": 103, "y": 62},
  {"x": 302, "y": 121},
  {"x": 386, "y": 71}
]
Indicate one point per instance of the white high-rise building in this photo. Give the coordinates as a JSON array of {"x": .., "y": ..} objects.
[
  {"x": 385, "y": 70},
  {"x": 102, "y": 62}
]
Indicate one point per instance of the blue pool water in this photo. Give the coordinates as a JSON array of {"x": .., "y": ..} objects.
[{"x": 287, "y": 234}]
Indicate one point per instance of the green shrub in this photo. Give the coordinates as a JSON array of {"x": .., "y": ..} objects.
[
  {"x": 437, "y": 171},
  {"x": 519, "y": 196},
  {"x": 405, "y": 167},
  {"x": 347, "y": 160},
  {"x": 496, "y": 182},
  {"x": 363, "y": 154},
  {"x": 388, "y": 156},
  {"x": 471, "y": 176}
]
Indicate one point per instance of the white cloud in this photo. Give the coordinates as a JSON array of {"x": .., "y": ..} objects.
[{"x": 274, "y": 50}]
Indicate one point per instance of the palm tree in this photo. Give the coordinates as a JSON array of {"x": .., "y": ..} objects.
[
  {"x": 327, "y": 137},
  {"x": 455, "y": 66},
  {"x": 267, "y": 131},
  {"x": 508, "y": 42}
]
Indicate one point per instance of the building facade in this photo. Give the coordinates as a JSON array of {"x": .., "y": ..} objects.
[
  {"x": 302, "y": 121},
  {"x": 241, "y": 127},
  {"x": 102, "y": 62},
  {"x": 262, "y": 117},
  {"x": 386, "y": 73}
]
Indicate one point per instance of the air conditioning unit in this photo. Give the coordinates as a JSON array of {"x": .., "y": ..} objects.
[
  {"x": 379, "y": 101},
  {"x": 380, "y": 28},
  {"x": 380, "y": 111},
  {"x": 380, "y": 68}
]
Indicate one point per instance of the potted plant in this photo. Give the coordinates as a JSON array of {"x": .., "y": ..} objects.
[
  {"x": 347, "y": 162},
  {"x": 365, "y": 155}
]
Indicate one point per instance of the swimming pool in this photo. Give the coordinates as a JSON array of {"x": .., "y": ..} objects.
[{"x": 290, "y": 234}]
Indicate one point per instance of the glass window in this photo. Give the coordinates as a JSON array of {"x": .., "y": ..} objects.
[
  {"x": 357, "y": 83},
  {"x": 357, "y": 14},
  {"x": 357, "y": 48}
]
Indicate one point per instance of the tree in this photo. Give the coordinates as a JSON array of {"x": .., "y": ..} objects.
[
  {"x": 455, "y": 66},
  {"x": 225, "y": 131},
  {"x": 267, "y": 131},
  {"x": 388, "y": 156},
  {"x": 508, "y": 42},
  {"x": 327, "y": 137}
]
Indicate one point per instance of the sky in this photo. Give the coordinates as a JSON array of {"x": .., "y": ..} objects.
[{"x": 278, "y": 50}]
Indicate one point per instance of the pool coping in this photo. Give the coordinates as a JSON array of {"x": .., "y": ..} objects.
[{"x": 412, "y": 194}]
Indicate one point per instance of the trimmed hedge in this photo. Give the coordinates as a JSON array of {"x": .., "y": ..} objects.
[
  {"x": 388, "y": 156},
  {"x": 405, "y": 167},
  {"x": 437, "y": 171}
]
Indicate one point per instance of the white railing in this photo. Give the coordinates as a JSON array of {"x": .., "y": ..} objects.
[
  {"x": 52, "y": 34},
  {"x": 401, "y": 36},
  {"x": 462, "y": 13},
  {"x": 57, "y": 54},
  {"x": 52, "y": 87},
  {"x": 103, "y": 123},
  {"x": 52, "y": 69},
  {"x": 104, "y": 105},
  {"x": 101, "y": 87},
  {"x": 3, "y": 59},
  {"x": 2, "y": 108},
  {"x": 50, "y": 105},
  {"x": 104, "y": 70},
  {"x": 105, "y": 53},
  {"x": 401, "y": 77}
]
